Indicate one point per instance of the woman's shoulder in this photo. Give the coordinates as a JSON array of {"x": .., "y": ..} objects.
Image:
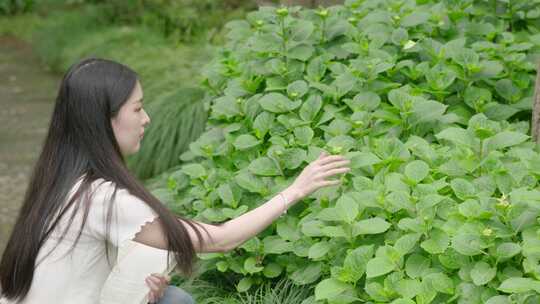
[{"x": 101, "y": 188}]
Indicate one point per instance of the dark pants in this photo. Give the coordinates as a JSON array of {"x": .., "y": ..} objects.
[{"x": 175, "y": 295}]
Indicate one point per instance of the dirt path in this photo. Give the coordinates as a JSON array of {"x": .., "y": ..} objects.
[{"x": 27, "y": 93}]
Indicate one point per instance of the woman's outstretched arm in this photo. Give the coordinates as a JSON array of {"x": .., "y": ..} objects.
[{"x": 235, "y": 232}]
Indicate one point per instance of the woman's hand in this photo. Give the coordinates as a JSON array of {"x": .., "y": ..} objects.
[
  {"x": 158, "y": 284},
  {"x": 314, "y": 175}
]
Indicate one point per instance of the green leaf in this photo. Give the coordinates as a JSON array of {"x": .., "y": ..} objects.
[
  {"x": 316, "y": 69},
  {"x": 498, "y": 300},
  {"x": 519, "y": 285},
  {"x": 319, "y": 250},
  {"x": 463, "y": 189},
  {"x": 416, "y": 265},
  {"x": 406, "y": 243},
  {"x": 507, "y": 250},
  {"x": 226, "y": 195},
  {"x": 313, "y": 228},
  {"x": 225, "y": 107},
  {"x": 426, "y": 111},
  {"x": 508, "y": 90},
  {"x": 362, "y": 159},
  {"x": 301, "y": 30},
  {"x": 307, "y": 274},
  {"x": 505, "y": 139},
  {"x": 482, "y": 273},
  {"x": 499, "y": 111},
  {"x": 301, "y": 52},
  {"x": 441, "y": 282},
  {"x": 370, "y": 226},
  {"x": 311, "y": 108},
  {"x": 278, "y": 103},
  {"x": 245, "y": 141},
  {"x": 303, "y": 135},
  {"x": 334, "y": 231},
  {"x": 222, "y": 266},
  {"x": 329, "y": 288},
  {"x": 287, "y": 229},
  {"x": 417, "y": 170},
  {"x": 347, "y": 208},
  {"x": 379, "y": 266},
  {"x": 440, "y": 77},
  {"x": 272, "y": 270},
  {"x": 470, "y": 208},
  {"x": 262, "y": 123},
  {"x": 338, "y": 127},
  {"x": 194, "y": 170},
  {"x": 276, "y": 245},
  {"x": 244, "y": 284},
  {"x": 466, "y": 57},
  {"x": 250, "y": 182},
  {"x": 400, "y": 36},
  {"x": 250, "y": 265},
  {"x": 293, "y": 158},
  {"x": 364, "y": 101},
  {"x": 476, "y": 98},
  {"x": 458, "y": 137},
  {"x": 356, "y": 261},
  {"x": 263, "y": 166},
  {"x": 467, "y": 244},
  {"x": 403, "y": 301},
  {"x": 297, "y": 89},
  {"x": 437, "y": 243},
  {"x": 414, "y": 19},
  {"x": 408, "y": 288}
]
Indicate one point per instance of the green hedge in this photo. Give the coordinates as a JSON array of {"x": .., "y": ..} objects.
[{"x": 431, "y": 102}]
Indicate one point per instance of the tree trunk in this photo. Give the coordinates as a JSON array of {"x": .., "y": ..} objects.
[{"x": 535, "y": 128}]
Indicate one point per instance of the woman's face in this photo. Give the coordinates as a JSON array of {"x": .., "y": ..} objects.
[{"x": 128, "y": 124}]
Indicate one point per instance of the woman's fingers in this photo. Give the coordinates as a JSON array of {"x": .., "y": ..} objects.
[
  {"x": 334, "y": 172},
  {"x": 151, "y": 282},
  {"x": 336, "y": 164},
  {"x": 163, "y": 279},
  {"x": 151, "y": 297},
  {"x": 330, "y": 159},
  {"x": 330, "y": 183}
]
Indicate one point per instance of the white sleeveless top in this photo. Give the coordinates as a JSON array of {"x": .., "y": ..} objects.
[{"x": 79, "y": 276}]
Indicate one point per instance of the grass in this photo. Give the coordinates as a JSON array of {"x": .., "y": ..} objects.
[{"x": 284, "y": 291}]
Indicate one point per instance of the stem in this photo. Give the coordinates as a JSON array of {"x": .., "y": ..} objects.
[
  {"x": 323, "y": 27},
  {"x": 284, "y": 42}
]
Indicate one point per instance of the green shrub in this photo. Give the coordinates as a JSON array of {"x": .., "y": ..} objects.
[
  {"x": 12, "y": 7},
  {"x": 431, "y": 102},
  {"x": 181, "y": 20}
]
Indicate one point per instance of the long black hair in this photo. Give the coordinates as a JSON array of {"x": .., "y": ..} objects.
[{"x": 81, "y": 142}]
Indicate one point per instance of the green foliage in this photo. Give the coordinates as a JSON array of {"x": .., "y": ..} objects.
[
  {"x": 181, "y": 20},
  {"x": 426, "y": 99},
  {"x": 12, "y": 7}
]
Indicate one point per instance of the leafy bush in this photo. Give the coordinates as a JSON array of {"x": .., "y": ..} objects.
[
  {"x": 431, "y": 102},
  {"x": 12, "y": 7},
  {"x": 183, "y": 20}
]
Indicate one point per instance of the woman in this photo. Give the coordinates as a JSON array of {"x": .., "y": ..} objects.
[{"x": 82, "y": 203}]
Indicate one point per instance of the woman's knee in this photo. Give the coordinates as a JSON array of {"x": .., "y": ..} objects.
[{"x": 176, "y": 295}]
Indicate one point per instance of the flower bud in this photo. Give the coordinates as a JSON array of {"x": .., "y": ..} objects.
[{"x": 282, "y": 11}]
